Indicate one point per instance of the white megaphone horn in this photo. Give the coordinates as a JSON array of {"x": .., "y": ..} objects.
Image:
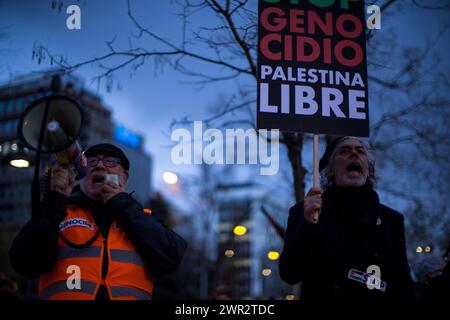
[{"x": 51, "y": 125}]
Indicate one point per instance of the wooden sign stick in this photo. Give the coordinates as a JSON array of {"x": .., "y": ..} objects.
[{"x": 316, "y": 169}]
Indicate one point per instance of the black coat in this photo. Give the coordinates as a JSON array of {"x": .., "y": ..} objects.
[
  {"x": 321, "y": 255},
  {"x": 33, "y": 252}
]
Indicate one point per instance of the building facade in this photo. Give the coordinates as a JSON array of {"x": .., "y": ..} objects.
[
  {"x": 139, "y": 180},
  {"x": 14, "y": 98},
  {"x": 245, "y": 239}
]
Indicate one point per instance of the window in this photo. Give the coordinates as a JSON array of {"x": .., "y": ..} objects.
[
  {"x": 41, "y": 94},
  {"x": 8, "y": 127},
  {"x": 9, "y": 107},
  {"x": 4, "y": 128},
  {"x": 6, "y": 107},
  {"x": 15, "y": 125},
  {"x": 28, "y": 100},
  {"x": 20, "y": 104}
]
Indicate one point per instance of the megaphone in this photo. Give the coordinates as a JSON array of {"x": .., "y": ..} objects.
[
  {"x": 51, "y": 125},
  {"x": 58, "y": 118}
]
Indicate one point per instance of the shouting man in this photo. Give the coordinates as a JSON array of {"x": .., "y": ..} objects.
[
  {"x": 95, "y": 232},
  {"x": 341, "y": 241}
]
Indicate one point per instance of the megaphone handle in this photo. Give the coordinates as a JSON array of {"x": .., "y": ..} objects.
[
  {"x": 35, "y": 187},
  {"x": 48, "y": 177}
]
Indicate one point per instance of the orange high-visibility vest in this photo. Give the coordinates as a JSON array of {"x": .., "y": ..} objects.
[{"x": 126, "y": 279}]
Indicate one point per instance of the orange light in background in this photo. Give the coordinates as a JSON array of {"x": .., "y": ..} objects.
[
  {"x": 273, "y": 255},
  {"x": 266, "y": 272},
  {"x": 240, "y": 230},
  {"x": 147, "y": 210},
  {"x": 229, "y": 253}
]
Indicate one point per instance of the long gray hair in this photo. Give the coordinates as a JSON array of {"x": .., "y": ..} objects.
[{"x": 326, "y": 175}]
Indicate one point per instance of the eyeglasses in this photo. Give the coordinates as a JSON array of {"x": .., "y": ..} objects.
[{"x": 107, "y": 161}]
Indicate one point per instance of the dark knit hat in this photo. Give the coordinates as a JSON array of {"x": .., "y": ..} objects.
[
  {"x": 109, "y": 149},
  {"x": 328, "y": 152}
]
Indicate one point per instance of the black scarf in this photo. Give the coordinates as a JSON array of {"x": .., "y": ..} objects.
[
  {"x": 101, "y": 218},
  {"x": 353, "y": 212}
]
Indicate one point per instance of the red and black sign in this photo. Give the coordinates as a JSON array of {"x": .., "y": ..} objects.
[{"x": 312, "y": 71}]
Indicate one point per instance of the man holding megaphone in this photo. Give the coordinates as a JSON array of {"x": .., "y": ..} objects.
[{"x": 93, "y": 240}]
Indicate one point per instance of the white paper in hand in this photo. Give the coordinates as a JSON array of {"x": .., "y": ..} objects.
[{"x": 114, "y": 178}]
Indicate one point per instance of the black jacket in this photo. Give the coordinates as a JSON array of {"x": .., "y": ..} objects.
[
  {"x": 321, "y": 255},
  {"x": 33, "y": 252}
]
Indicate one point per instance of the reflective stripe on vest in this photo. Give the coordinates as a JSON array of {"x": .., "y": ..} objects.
[
  {"x": 126, "y": 256},
  {"x": 86, "y": 287},
  {"x": 68, "y": 252},
  {"x": 119, "y": 291}
]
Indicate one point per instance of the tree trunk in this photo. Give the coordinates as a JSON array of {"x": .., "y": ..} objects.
[{"x": 294, "y": 144}]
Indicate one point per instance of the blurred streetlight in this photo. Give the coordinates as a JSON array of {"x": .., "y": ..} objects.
[
  {"x": 290, "y": 297},
  {"x": 428, "y": 249},
  {"x": 170, "y": 177},
  {"x": 19, "y": 163},
  {"x": 273, "y": 255},
  {"x": 266, "y": 272},
  {"x": 16, "y": 155},
  {"x": 229, "y": 253},
  {"x": 419, "y": 249},
  {"x": 240, "y": 230}
]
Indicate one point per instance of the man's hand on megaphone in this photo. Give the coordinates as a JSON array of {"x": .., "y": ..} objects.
[{"x": 61, "y": 181}]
